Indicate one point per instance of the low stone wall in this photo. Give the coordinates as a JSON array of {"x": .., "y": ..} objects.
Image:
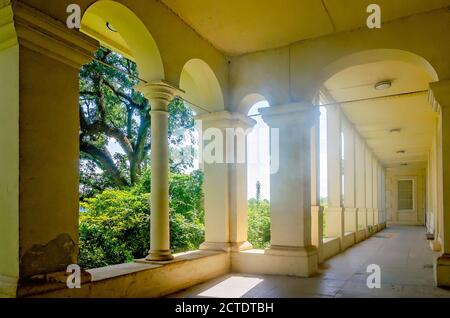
[
  {"x": 146, "y": 280},
  {"x": 349, "y": 240},
  {"x": 150, "y": 279},
  {"x": 331, "y": 247},
  {"x": 361, "y": 235}
]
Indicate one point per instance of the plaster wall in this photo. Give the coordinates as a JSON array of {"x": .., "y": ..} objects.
[
  {"x": 49, "y": 154},
  {"x": 415, "y": 216}
]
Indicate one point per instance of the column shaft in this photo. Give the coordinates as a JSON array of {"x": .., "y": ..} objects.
[
  {"x": 159, "y": 95},
  {"x": 225, "y": 185},
  {"x": 290, "y": 188},
  {"x": 350, "y": 211},
  {"x": 334, "y": 212},
  {"x": 440, "y": 98}
]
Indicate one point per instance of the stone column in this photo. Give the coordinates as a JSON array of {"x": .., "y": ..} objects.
[
  {"x": 375, "y": 197},
  {"x": 334, "y": 212},
  {"x": 159, "y": 96},
  {"x": 9, "y": 159},
  {"x": 360, "y": 181},
  {"x": 435, "y": 161},
  {"x": 290, "y": 185},
  {"x": 369, "y": 188},
  {"x": 350, "y": 211},
  {"x": 383, "y": 197},
  {"x": 316, "y": 208},
  {"x": 45, "y": 59},
  {"x": 223, "y": 147},
  {"x": 440, "y": 99}
]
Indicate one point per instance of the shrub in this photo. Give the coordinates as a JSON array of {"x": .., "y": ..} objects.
[
  {"x": 259, "y": 223},
  {"x": 115, "y": 224}
]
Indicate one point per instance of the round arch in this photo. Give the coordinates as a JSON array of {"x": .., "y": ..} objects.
[
  {"x": 201, "y": 87},
  {"x": 372, "y": 56},
  {"x": 249, "y": 101},
  {"x": 116, "y": 26}
]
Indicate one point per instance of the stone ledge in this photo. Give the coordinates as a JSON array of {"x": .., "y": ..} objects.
[
  {"x": 302, "y": 264},
  {"x": 149, "y": 279},
  {"x": 331, "y": 247}
]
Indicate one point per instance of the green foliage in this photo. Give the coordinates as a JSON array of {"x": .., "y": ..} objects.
[
  {"x": 111, "y": 109},
  {"x": 115, "y": 224},
  {"x": 259, "y": 223},
  {"x": 114, "y": 228}
]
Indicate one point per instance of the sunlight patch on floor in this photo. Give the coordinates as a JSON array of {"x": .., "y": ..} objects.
[{"x": 233, "y": 287}]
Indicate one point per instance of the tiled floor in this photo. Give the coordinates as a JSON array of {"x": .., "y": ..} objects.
[{"x": 401, "y": 252}]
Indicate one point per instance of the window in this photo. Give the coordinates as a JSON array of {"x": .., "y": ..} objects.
[{"x": 406, "y": 194}]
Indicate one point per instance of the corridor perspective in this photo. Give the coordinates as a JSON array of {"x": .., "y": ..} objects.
[
  {"x": 126, "y": 136},
  {"x": 402, "y": 253}
]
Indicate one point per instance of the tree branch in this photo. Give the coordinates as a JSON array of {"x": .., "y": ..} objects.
[{"x": 103, "y": 158}]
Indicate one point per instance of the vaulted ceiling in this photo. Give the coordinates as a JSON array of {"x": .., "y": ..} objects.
[
  {"x": 374, "y": 113},
  {"x": 240, "y": 26}
]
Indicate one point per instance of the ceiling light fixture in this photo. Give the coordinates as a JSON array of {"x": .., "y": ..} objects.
[
  {"x": 395, "y": 130},
  {"x": 386, "y": 84},
  {"x": 401, "y": 152},
  {"x": 110, "y": 27},
  {"x": 404, "y": 164}
]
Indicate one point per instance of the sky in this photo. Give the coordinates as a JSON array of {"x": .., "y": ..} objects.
[{"x": 258, "y": 149}]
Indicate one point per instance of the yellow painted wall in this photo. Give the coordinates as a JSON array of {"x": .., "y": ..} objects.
[
  {"x": 9, "y": 162},
  {"x": 49, "y": 159}
]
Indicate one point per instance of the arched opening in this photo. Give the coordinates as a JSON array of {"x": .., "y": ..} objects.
[
  {"x": 115, "y": 144},
  {"x": 258, "y": 173},
  {"x": 376, "y": 127},
  {"x": 201, "y": 87},
  {"x": 118, "y": 28}
]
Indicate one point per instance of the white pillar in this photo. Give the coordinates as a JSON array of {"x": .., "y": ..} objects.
[
  {"x": 223, "y": 147},
  {"x": 290, "y": 185},
  {"x": 159, "y": 95},
  {"x": 440, "y": 99},
  {"x": 369, "y": 188},
  {"x": 383, "y": 197},
  {"x": 375, "y": 202},
  {"x": 350, "y": 211},
  {"x": 334, "y": 212},
  {"x": 360, "y": 177},
  {"x": 316, "y": 208}
]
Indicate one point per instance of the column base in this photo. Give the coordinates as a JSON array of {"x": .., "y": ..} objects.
[
  {"x": 350, "y": 219},
  {"x": 277, "y": 260},
  {"x": 335, "y": 222},
  {"x": 159, "y": 256},
  {"x": 435, "y": 245},
  {"x": 442, "y": 271},
  {"x": 226, "y": 246}
]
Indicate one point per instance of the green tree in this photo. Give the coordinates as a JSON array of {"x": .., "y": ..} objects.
[{"x": 111, "y": 109}]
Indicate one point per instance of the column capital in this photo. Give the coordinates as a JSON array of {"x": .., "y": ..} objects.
[
  {"x": 40, "y": 33},
  {"x": 226, "y": 119},
  {"x": 439, "y": 94},
  {"x": 295, "y": 113},
  {"x": 160, "y": 94}
]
